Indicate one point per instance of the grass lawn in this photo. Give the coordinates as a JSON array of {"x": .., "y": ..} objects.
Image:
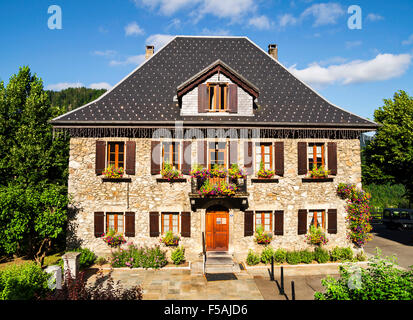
[{"x": 49, "y": 260}]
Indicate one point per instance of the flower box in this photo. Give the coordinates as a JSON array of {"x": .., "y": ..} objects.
[
  {"x": 264, "y": 180},
  {"x": 112, "y": 172},
  {"x": 317, "y": 180},
  {"x": 170, "y": 180},
  {"x": 116, "y": 180},
  {"x": 170, "y": 240}
]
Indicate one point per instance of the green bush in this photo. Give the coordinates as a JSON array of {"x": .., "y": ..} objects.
[
  {"x": 381, "y": 280},
  {"x": 341, "y": 254},
  {"x": 321, "y": 255},
  {"x": 293, "y": 257},
  {"x": 101, "y": 261},
  {"x": 306, "y": 256},
  {"x": 280, "y": 255},
  {"x": 23, "y": 282},
  {"x": 86, "y": 258},
  {"x": 252, "y": 258},
  {"x": 178, "y": 255},
  {"x": 142, "y": 257},
  {"x": 361, "y": 256},
  {"x": 267, "y": 254}
]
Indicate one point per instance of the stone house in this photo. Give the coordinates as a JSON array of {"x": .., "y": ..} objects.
[{"x": 210, "y": 101}]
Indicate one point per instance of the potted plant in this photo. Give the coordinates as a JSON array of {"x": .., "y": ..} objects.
[
  {"x": 217, "y": 172},
  {"x": 319, "y": 173},
  {"x": 316, "y": 236},
  {"x": 264, "y": 173},
  {"x": 170, "y": 239},
  {"x": 170, "y": 173},
  {"x": 113, "y": 239},
  {"x": 236, "y": 173},
  {"x": 262, "y": 237},
  {"x": 113, "y": 172}
]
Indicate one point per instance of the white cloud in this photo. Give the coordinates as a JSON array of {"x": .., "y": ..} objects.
[
  {"x": 159, "y": 40},
  {"x": 106, "y": 53},
  {"x": 260, "y": 22},
  {"x": 136, "y": 60},
  {"x": 215, "y": 32},
  {"x": 352, "y": 44},
  {"x": 64, "y": 85},
  {"x": 133, "y": 29},
  {"x": 287, "y": 19},
  {"x": 374, "y": 17},
  {"x": 232, "y": 9},
  {"x": 100, "y": 85},
  {"x": 324, "y": 13},
  {"x": 382, "y": 67},
  {"x": 166, "y": 7},
  {"x": 408, "y": 41}
]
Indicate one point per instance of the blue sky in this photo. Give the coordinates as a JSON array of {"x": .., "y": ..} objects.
[{"x": 103, "y": 41}]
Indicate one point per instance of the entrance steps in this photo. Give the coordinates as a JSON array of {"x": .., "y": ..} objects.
[{"x": 220, "y": 262}]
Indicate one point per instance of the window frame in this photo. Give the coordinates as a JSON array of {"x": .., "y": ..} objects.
[
  {"x": 217, "y": 88},
  {"x": 262, "y": 146},
  {"x": 172, "y": 145},
  {"x": 313, "y": 218},
  {"x": 170, "y": 218},
  {"x": 116, "y": 222},
  {"x": 314, "y": 153},
  {"x": 116, "y": 152},
  {"x": 216, "y": 151},
  {"x": 262, "y": 214}
]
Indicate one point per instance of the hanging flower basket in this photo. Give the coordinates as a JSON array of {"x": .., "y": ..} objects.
[
  {"x": 113, "y": 239},
  {"x": 170, "y": 240}
]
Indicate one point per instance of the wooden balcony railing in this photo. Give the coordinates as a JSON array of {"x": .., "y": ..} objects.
[{"x": 241, "y": 184}]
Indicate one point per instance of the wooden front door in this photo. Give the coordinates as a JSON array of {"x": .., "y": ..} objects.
[{"x": 217, "y": 235}]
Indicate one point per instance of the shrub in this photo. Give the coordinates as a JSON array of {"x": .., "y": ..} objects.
[
  {"x": 143, "y": 257},
  {"x": 267, "y": 254},
  {"x": 101, "y": 261},
  {"x": 381, "y": 280},
  {"x": 252, "y": 258},
  {"x": 178, "y": 255},
  {"x": 321, "y": 255},
  {"x": 23, "y": 282},
  {"x": 306, "y": 256},
  {"x": 341, "y": 254},
  {"x": 293, "y": 257},
  {"x": 361, "y": 256},
  {"x": 86, "y": 258},
  {"x": 280, "y": 255}
]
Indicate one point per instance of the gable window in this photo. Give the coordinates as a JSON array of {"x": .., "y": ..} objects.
[
  {"x": 318, "y": 218},
  {"x": 116, "y": 154},
  {"x": 217, "y": 154},
  {"x": 265, "y": 220},
  {"x": 217, "y": 97},
  {"x": 263, "y": 152},
  {"x": 114, "y": 221},
  {"x": 170, "y": 222},
  {"x": 316, "y": 155},
  {"x": 170, "y": 154}
]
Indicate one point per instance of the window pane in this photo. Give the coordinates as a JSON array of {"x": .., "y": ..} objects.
[{"x": 120, "y": 223}]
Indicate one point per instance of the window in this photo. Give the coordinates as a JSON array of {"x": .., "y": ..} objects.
[
  {"x": 263, "y": 152},
  {"x": 116, "y": 154},
  {"x": 217, "y": 154},
  {"x": 316, "y": 155},
  {"x": 318, "y": 218},
  {"x": 217, "y": 97},
  {"x": 170, "y": 154},
  {"x": 264, "y": 219},
  {"x": 170, "y": 222},
  {"x": 114, "y": 221}
]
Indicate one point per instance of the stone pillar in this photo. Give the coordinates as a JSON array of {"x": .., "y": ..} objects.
[
  {"x": 55, "y": 281},
  {"x": 71, "y": 264}
]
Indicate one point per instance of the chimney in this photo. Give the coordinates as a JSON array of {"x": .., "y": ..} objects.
[
  {"x": 273, "y": 51},
  {"x": 149, "y": 52}
]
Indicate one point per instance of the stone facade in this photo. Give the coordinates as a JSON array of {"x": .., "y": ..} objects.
[{"x": 144, "y": 194}]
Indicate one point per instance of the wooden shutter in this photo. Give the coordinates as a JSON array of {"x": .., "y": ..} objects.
[
  {"x": 186, "y": 157},
  {"x": 154, "y": 224},
  {"x": 233, "y": 152},
  {"x": 302, "y": 157},
  {"x": 99, "y": 222},
  {"x": 232, "y": 98},
  {"x": 279, "y": 158},
  {"x": 278, "y": 222},
  {"x": 202, "y": 152},
  {"x": 100, "y": 157},
  {"x": 186, "y": 224},
  {"x": 332, "y": 221},
  {"x": 202, "y": 98},
  {"x": 129, "y": 224},
  {"x": 332, "y": 157},
  {"x": 248, "y": 223},
  {"x": 248, "y": 157},
  {"x": 155, "y": 157},
  {"x": 130, "y": 157},
  {"x": 302, "y": 221}
]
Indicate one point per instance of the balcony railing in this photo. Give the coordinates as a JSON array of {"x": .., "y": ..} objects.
[{"x": 239, "y": 184}]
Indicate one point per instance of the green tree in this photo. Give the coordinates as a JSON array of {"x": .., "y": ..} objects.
[
  {"x": 72, "y": 98},
  {"x": 389, "y": 156}
]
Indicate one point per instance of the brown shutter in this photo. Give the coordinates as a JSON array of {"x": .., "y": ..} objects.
[
  {"x": 186, "y": 157},
  {"x": 129, "y": 224},
  {"x": 130, "y": 157},
  {"x": 279, "y": 158},
  {"x": 248, "y": 223},
  {"x": 100, "y": 157},
  {"x": 233, "y": 152},
  {"x": 232, "y": 98},
  {"x": 302, "y": 221},
  {"x": 278, "y": 222},
  {"x": 202, "y": 98},
  {"x": 186, "y": 224},
  {"x": 155, "y": 157},
  {"x": 202, "y": 152},
  {"x": 332, "y": 221},
  {"x": 99, "y": 224},
  {"x": 154, "y": 224},
  {"x": 332, "y": 157},
  {"x": 248, "y": 157},
  {"x": 302, "y": 157}
]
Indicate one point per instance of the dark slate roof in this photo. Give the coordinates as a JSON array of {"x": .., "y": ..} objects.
[{"x": 147, "y": 94}]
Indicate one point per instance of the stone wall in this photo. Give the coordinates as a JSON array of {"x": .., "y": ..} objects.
[{"x": 144, "y": 194}]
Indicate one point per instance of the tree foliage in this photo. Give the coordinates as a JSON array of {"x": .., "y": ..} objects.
[{"x": 72, "y": 98}]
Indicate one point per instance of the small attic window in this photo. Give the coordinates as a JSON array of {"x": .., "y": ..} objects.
[{"x": 217, "y": 97}]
